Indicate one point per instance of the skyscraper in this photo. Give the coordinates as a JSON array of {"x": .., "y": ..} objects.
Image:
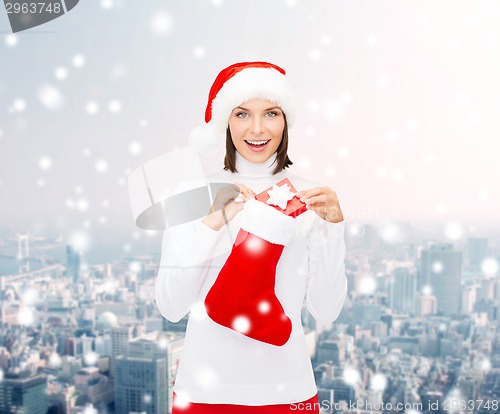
[
  {"x": 166, "y": 345},
  {"x": 144, "y": 376},
  {"x": 120, "y": 335},
  {"x": 331, "y": 350},
  {"x": 425, "y": 305},
  {"x": 402, "y": 290},
  {"x": 22, "y": 393},
  {"x": 72, "y": 263},
  {"x": 441, "y": 270},
  {"x": 477, "y": 251},
  {"x": 140, "y": 384}
]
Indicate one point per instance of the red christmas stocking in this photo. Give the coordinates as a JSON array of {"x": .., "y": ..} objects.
[{"x": 243, "y": 297}]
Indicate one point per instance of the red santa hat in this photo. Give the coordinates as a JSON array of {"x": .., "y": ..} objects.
[{"x": 233, "y": 86}]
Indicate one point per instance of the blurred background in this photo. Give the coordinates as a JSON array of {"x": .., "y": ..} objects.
[
  {"x": 397, "y": 107},
  {"x": 397, "y": 112}
]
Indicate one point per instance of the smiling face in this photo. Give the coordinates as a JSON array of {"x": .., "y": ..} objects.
[{"x": 256, "y": 128}]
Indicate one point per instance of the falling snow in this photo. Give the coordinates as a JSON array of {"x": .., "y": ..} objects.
[
  {"x": 427, "y": 290},
  {"x": 79, "y": 240},
  {"x": 19, "y": 105},
  {"x": 161, "y": 23},
  {"x": 101, "y": 166},
  {"x": 92, "y": 107},
  {"x": 11, "y": 40},
  {"x": 355, "y": 230},
  {"x": 453, "y": 231},
  {"x": 489, "y": 266},
  {"x": 82, "y": 204},
  {"x": 378, "y": 382},
  {"x": 367, "y": 285},
  {"x": 45, "y": 163},
  {"x": 107, "y": 4},
  {"x": 351, "y": 376},
  {"x": 78, "y": 61},
  {"x": 61, "y": 73},
  {"x": 391, "y": 233},
  {"x": 135, "y": 148},
  {"x": 437, "y": 267},
  {"x": 241, "y": 324},
  {"x": 115, "y": 106},
  {"x": 50, "y": 97},
  {"x": 199, "y": 52},
  {"x": 264, "y": 306}
]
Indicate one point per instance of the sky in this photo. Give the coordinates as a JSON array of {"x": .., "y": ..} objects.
[{"x": 397, "y": 105}]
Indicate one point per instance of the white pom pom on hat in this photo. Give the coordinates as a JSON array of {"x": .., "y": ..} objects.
[{"x": 233, "y": 86}]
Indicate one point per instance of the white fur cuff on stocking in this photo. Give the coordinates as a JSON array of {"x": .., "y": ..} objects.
[{"x": 267, "y": 222}]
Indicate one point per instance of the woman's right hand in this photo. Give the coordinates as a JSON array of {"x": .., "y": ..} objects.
[{"x": 225, "y": 201}]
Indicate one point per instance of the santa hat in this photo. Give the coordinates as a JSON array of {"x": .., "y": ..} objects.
[{"x": 233, "y": 86}]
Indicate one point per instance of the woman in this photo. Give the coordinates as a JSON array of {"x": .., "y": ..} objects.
[{"x": 258, "y": 363}]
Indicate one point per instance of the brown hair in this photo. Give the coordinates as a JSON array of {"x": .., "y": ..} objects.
[{"x": 282, "y": 160}]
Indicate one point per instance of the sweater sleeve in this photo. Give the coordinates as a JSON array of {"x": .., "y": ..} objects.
[
  {"x": 186, "y": 256},
  {"x": 327, "y": 282}
]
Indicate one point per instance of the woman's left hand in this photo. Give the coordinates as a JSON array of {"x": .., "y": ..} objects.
[{"x": 324, "y": 202}]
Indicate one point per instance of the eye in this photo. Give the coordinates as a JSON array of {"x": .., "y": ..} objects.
[
  {"x": 241, "y": 114},
  {"x": 272, "y": 114}
]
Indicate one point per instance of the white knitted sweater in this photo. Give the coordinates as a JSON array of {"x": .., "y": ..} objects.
[{"x": 219, "y": 365}]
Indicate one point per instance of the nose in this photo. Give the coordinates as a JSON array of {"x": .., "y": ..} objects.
[{"x": 257, "y": 126}]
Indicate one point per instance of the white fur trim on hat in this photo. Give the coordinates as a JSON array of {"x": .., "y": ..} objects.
[
  {"x": 267, "y": 222},
  {"x": 207, "y": 139}
]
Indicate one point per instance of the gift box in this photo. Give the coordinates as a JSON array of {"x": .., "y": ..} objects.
[{"x": 282, "y": 197}]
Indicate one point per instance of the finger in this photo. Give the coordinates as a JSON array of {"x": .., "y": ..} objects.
[
  {"x": 244, "y": 195},
  {"x": 319, "y": 200},
  {"x": 246, "y": 189},
  {"x": 309, "y": 193},
  {"x": 317, "y": 208}
]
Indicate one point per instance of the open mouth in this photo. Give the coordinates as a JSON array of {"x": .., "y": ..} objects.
[{"x": 257, "y": 145}]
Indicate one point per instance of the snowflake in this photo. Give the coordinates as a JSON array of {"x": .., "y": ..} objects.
[
  {"x": 437, "y": 267},
  {"x": 78, "y": 61},
  {"x": 115, "y": 106},
  {"x": 107, "y": 4},
  {"x": 61, "y": 73},
  {"x": 91, "y": 107},
  {"x": 489, "y": 266},
  {"x": 367, "y": 285},
  {"x": 45, "y": 163},
  {"x": 50, "y": 97},
  {"x": 135, "y": 148},
  {"x": 199, "y": 52},
  {"x": 453, "y": 231},
  {"x": 161, "y": 23},
  {"x": 378, "y": 382},
  {"x": 101, "y": 166},
  {"x": 11, "y": 40},
  {"x": 241, "y": 324},
  {"x": 351, "y": 376}
]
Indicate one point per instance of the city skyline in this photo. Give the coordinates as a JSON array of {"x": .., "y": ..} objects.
[
  {"x": 399, "y": 126},
  {"x": 105, "y": 330}
]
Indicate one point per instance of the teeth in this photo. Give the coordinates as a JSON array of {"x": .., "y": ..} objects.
[{"x": 257, "y": 142}]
